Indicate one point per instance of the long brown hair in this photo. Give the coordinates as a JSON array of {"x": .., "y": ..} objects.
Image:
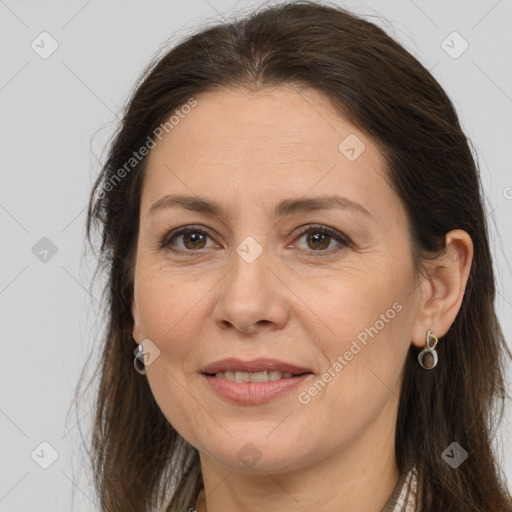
[{"x": 140, "y": 462}]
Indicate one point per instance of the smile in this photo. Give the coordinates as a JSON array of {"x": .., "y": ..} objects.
[
  {"x": 255, "y": 381},
  {"x": 264, "y": 376}
]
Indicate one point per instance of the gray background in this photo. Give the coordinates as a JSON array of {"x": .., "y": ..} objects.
[{"x": 56, "y": 116}]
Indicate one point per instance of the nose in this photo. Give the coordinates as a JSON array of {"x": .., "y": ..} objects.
[{"x": 252, "y": 297}]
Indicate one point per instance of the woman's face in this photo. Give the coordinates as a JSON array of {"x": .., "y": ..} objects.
[{"x": 247, "y": 172}]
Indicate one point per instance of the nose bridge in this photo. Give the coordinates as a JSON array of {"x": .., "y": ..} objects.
[
  {"x": 247, "y": 280},
  {"x": 250, "y": 295}
]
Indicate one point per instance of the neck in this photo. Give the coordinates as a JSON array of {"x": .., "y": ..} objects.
[{"x": 356, "y": 478}]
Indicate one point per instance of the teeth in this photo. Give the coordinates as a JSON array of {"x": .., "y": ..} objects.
[
  {"x": 264, "y": 376},
  {"x": 229, "y": 376},
  {"x": 274, "y": 375},
  {"x": 259, "y": 376},
  {"x": 242, "y": 377}
]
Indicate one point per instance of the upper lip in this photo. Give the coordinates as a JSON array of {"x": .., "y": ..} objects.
[{"x": 253, "y": 366}]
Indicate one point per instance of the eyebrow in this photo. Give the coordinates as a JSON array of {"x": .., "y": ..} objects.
[{"x": 284, "y": 208}]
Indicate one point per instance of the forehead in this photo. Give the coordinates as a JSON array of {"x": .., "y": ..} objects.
[{"x": 282, "y": 140}]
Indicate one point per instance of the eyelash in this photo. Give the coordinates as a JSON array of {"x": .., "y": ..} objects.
[{"x": 314, "y": 228}]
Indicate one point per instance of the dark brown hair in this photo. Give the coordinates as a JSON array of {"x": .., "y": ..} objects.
[{"x": 140, "y": 461}]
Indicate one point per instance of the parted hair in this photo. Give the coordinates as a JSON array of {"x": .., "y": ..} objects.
[{"x": 140, "y": 462}]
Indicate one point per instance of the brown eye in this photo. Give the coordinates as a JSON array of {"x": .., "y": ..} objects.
[
  {"x": 194, "y": 240},
  {"x": 322, "y": 240},
  {"x": 318, "y": 241},
  {"x": 186, "y": 239}
]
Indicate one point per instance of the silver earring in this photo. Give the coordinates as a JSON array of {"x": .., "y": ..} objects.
[
  {"x": 428, "y": 356},
  {"x": 138, "y": 361}
]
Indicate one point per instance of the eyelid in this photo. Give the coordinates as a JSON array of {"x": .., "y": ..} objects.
[
  {"x": 189, "y": 228},
  {"x": 343, "y": 240}
]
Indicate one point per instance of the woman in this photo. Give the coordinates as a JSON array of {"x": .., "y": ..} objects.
[{"x": 299, "y": 271}]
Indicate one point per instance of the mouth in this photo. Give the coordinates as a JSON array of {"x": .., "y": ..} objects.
[
  {"x": 264, "y": 376},
  {"x": 253, "y": 382}
]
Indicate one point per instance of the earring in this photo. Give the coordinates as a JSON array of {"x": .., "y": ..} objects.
[
  {"x": 138, "y": 361},
  {"x": 428, "y": 356}
]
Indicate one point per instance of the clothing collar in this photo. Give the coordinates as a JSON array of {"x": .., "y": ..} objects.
[{"x": 403, "y": 497}]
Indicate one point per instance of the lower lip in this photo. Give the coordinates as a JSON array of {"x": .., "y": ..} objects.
[{"x": 249, "y": 393}]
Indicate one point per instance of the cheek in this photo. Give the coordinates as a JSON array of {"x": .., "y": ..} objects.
[
  {"x": 172, "y": 316},
  {"x": 362, "y": 334},
  {"x": 353, "y": 306},
  {"x": 171, "y": 312}
]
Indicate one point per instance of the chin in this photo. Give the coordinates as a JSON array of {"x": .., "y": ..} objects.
[{"x": 258, "y": 455}]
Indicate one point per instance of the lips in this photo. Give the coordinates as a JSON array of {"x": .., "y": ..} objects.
[
  {"x": 253, "y": 382},
  {"x": 253, "y": 366}
]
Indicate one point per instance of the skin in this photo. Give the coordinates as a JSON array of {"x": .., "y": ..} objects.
[{"x": 248, "y": 151}]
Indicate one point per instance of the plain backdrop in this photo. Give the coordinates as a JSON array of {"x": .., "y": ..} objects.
[{"x": 57, "y": 112}]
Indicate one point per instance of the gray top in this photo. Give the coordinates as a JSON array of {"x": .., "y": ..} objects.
[{"x": 402, "y": 498}]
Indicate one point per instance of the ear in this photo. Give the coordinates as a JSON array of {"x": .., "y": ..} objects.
[
  {"x": 442, "y": 290},
  {"x": 136, "y": 330}
]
